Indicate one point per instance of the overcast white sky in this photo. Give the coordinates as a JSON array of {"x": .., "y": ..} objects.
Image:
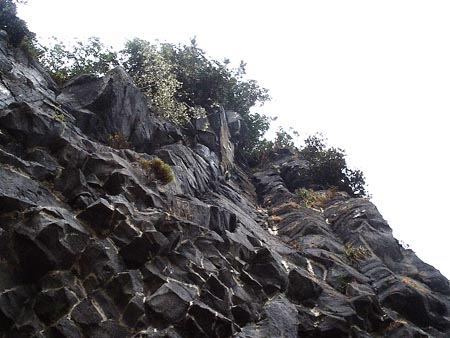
[{"x": 372, "y": 76}]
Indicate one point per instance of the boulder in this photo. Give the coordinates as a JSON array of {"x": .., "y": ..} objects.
[
  {"x": 113, "y": 105},
  {"x": 172, "y": 301}
]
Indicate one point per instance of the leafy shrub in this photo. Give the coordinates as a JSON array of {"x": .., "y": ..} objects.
[
  {"x": 356, "y": 253},
  {"x": 328, "y": 167},
  {"x": 312, "y": 198},
  {"x": 181, "y": 83},
  {"x": 65, "y": 61},
  {"x": 15, "y": 27},
  {"x": 158, "y": 170},
  {"x": 118, "y": 141},
  {"x": 207, "y": 83},
  {"x": 156, "y": 77},
  {"x": 342, "y": 282},
  {"x": 254, "y": 148},
  {"x": 258, "y": 150},
  {"x": 59, "y": 116}
]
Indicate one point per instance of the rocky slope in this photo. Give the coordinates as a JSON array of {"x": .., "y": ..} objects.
[{"x": 91, "y": 247}]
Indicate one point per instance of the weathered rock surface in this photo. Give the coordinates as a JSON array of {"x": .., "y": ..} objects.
[{"x": 90, "y": 247}]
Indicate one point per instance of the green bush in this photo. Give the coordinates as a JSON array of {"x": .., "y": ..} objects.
[
  {"x": 158, "y": 170},
  {"x": 118, "y": 141},
  {"x": 180, "y": 82},
  {"x": 207, "y": 83},
  {"x": 156, "y": 77},
  {"x": 313, "y": 199},
  {"x": 356, "y": 253},
  {"x": 15, "y": 27},
  {"x": 328, "y": 167},
  {"x": 65, "y": 61},
  {"x": 257, "y": 149}
]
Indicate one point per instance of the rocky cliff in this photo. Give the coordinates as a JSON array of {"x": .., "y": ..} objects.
[{"x": 91, "y": 247}]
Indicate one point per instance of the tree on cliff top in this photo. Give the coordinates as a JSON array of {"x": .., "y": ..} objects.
[
  {"x": 187, "y": 82},
  {"x": 66, "y": 60},
  {"x": 15, "y": 27},
  {"x": 181, "y": 83},
  {"x": 328, "y": 167}
]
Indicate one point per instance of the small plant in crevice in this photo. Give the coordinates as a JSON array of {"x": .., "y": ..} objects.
[
  {"x": 293, "y": 245},
  {"x": 343, "y": 282},
  {"x": 395, "y": 325},
  {"x": 275, "y": 219},
  {"x": 118, "y": 141},
  {"x": 313, "y": 199},
  {"x": 292, "y": 204},
  {"x": 356, "y": 253},
  {"x": 157, "y": 169},
  {"x": 59, "y": 116}
]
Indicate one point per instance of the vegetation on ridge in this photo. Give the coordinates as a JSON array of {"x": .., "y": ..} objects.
[
  {"x": 329, "y": 167},
  {"x": 182, "y": 84},
  {"x": 15, "y": 27}
]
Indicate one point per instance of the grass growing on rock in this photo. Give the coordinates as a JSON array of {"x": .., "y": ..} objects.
[
  {"x": 356, "y": 253},
  {"x": 158, "y": 170},
  {"x": 118, "y": 141},
  {"x": 314, "y": 199}
]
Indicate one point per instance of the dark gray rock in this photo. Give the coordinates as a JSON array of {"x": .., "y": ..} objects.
[
  {"x": 53, "y": 304},
  {"x": 90, "y": 247},
  {"x": 112, "y": 104},
  {"x": 18, "y": 192},
  {"x": 172, "y": 300},
  {"x": 280, "y": 321},
  {"x": 204, "y": 321},
  {"x": 99, "y": 262},
  {"x": 123, "y": 287},
  {"x": 296, "y": 174},
  {"x": 65, "y": 328},
  {"x": 267, "y": 271},
  {"x": 302, "y": 286},
  {"x": 86, "y": 314},
  {"x": 101, "y": 217}
]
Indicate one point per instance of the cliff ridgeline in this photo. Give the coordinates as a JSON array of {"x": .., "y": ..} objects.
[{"x": 115, "y": 222}]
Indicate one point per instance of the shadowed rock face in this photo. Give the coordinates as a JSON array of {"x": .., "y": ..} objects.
[{"x": 89, "y": 247}]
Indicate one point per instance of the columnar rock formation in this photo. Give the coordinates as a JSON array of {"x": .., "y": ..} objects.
[{"x": 90, "y": 247}]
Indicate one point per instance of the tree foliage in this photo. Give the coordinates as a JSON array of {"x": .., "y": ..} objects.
[
  {"x": 15, "y": 27},
  {"x": 64, "y": 61},
  {"x": 156, "y": 77},
  {"x": 206, "y": 82},
  {"x": 257, "y": 149},
  {"x": 183, "y": 83},
  {"x": 329, "y": 167}
]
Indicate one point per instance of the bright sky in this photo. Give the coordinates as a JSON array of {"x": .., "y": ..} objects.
[{"x": 372, "y": 76}]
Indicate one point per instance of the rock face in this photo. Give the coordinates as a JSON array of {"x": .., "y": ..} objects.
[{"x": 90, "y": 248}]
